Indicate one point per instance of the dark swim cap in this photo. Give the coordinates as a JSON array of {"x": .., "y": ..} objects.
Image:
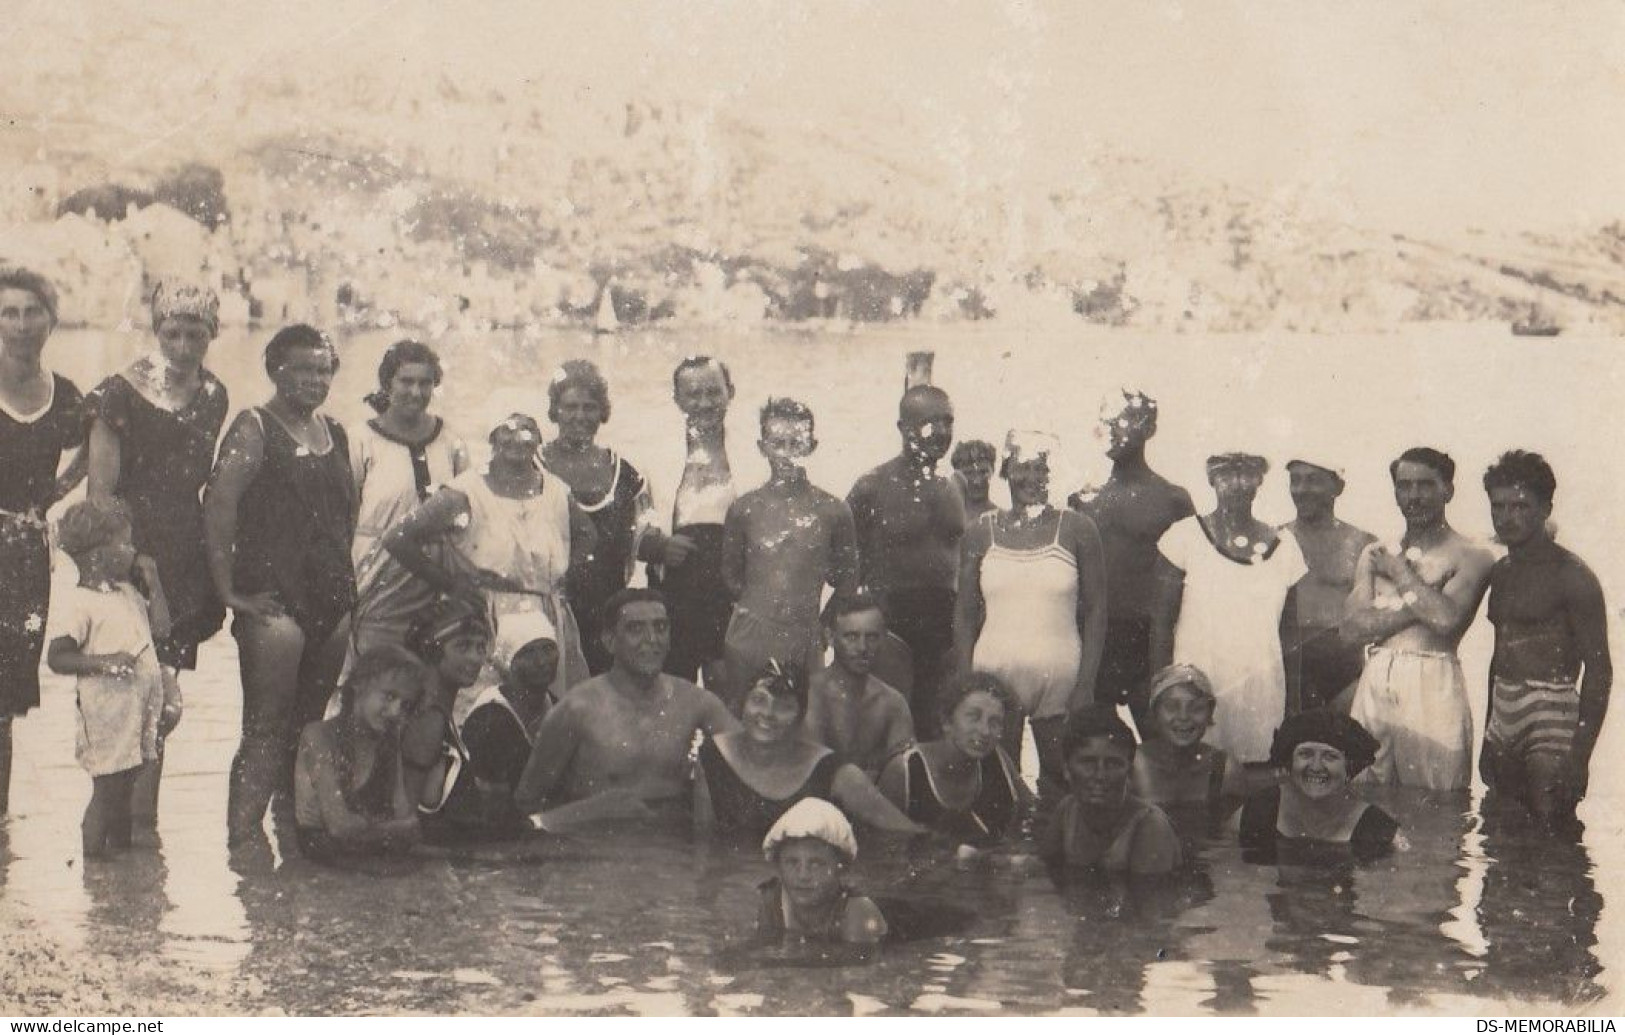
[{"x": 1359, "y": 747}]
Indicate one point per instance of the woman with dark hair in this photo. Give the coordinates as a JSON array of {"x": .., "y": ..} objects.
[
  {"x": 40, "y": 420},
  {"x": 1099, "y": 825},
  {"x": 279, "y": 514},
  {"x": 749, "y": 778},
  {"x": 398, "y": 458},
  {"x": 512, "y": 534},
  {"x": 1219, "y": 605},
  {"x": 1319, "y": 754},
  {"x": 153, "y": 429},
  {"x": 607, "y": 489},
  {"x": 963, "y": 785}
]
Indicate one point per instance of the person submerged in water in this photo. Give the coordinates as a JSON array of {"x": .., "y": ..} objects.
[
  {"x": 349, "y": 798},
  {"x": 454, "y": 642},
  {"x": 1173, "y": 767},
  {"x": 963, "y": 786},
  {"x": 1319, "y": 754},
  {"x": 812, "y": 847},
  {"x": 750, "y": 777},
  {"x": 1100, "y": 825}
]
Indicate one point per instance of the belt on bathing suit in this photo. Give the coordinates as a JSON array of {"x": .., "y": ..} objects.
[{"x": 1372, "y": 650}]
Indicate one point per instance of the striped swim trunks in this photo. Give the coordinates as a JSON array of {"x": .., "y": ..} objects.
[{"x": 1532, "y": 716}]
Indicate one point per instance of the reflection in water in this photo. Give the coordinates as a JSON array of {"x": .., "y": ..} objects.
[
  {"x": 1538, "y": 912},
  {"x": 1121, "y": 928}
]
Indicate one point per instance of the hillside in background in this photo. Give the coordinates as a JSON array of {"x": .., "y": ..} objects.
[{"x": 366, "y": 194}]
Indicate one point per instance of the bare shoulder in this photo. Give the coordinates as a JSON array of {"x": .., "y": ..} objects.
[
  {"x": 1472, "y": 555},
  {"x": 1577, "y": 577}
]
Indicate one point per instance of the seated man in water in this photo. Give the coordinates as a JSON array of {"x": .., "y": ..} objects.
[
  {"x": 348, "y": 795},
  {"x": 781, "y": 544},
  {"x": 973, "y": 464},
  {"x": 1173, "y": 767},
  {"x": 620, "y": 742},
  {"x": 849, "y": 708},
  {"x": 1100, "y": 825},
  {"x": 811, "y": 847},
  {"x": 1551, "y": 625},
  {"x": 1410, "y": 606}
]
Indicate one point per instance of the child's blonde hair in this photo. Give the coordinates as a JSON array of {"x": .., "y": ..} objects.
[
  {"x": 374, "y": 665},
  {"x": 86, "y": 526}
]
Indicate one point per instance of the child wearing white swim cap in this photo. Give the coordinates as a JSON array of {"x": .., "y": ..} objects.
[{"x": 812, "y": 846}]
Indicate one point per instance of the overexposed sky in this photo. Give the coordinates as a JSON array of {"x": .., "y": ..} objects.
[{"x": 1417, "y": 115}]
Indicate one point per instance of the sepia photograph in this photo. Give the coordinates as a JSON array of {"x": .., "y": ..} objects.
[{"x": 835, "y": 508}]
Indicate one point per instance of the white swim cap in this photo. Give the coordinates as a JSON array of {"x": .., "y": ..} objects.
[{"x": 813, "y": 817}]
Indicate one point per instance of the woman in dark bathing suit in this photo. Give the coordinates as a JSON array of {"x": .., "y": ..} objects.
[
  {"x": 39, "y": 422},
  {"x": 153, "y": 429},
  {"x": 1315, "y": 807},
  {"x": 963, "y": 786},
  {"x": 279, "y": 515},
  {"x": 749, "y": 778}
]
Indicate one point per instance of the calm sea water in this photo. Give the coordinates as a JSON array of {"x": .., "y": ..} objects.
[{"x": 1463, "y": 918}]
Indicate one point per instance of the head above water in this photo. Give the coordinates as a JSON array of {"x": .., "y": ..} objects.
[
  {"x": 925, "y": 418},
  {"x": 975, "y": 709},
  {"x": 1314, "y": 487},
  {"x": 447, "y": 622},
  {"x": 1358, "y": 746},
  {"x": 382, "y": 688},
  {"x": 813, "y": 819},
  {"x": 406, "y": 353},
  {"x": 788, "y": 431},
  {"x": 777, "y": 697},
  {"x": 534, "y": 665},
  {"x": 637, "y": 631},
  {"x": 1097, "y": 723}
]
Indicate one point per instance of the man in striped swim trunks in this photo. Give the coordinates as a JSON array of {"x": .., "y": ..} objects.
[
  {"x": 1410, "y": 605},
  {"x": 1551, "y": 671}
]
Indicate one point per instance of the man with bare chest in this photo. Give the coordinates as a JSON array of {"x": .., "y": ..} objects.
[
  {"x": 909, "y": 522},
  {"x": 849, "y": 708},
  {"x": 781, "y": 544},
  {"x": 1409, "y": 608},
  {"x": 1132, "y": 510},
  {"x": 1551, "y": 673},
  {"x": 628, "y": 731},
  {"x": 1319, "y": 665}
]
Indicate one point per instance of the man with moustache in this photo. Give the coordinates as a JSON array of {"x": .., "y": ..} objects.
[
  {"x": 1551, "y": 672},
  {"x": 849, "y": 708},
  {"x": 1319, "y": 665},
  {"x": 1132, "y": 510},
  {"x": 1409, "y": 608},
  {"x": 909, "y": 523}
]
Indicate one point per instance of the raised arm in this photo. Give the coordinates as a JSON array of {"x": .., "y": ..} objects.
[
  {"x": 1447, "y": 610},
  {"x": 1363, "y": 622},
  {"x": 1090, "y": 556},
  {"x": 432, "y": 520}
]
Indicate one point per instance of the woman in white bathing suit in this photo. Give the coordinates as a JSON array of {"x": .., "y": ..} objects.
[
  {"x": 1219, "y": 606},
  {"x": 515, "y": 533},
  {"x": 1029, "y": 579},
  {"x": 399, "y": 458}
]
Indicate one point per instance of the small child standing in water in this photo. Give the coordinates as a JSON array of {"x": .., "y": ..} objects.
[
  {"x": 104, "y": 637},
  {"x": 349, "y": 798},
  {"x": 812, "y": 846}
]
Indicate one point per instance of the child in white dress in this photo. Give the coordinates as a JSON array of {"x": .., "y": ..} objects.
[{"x": 103, "y": 635}]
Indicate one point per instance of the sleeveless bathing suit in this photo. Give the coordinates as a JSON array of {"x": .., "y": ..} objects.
[
  {"x": 1029, "y": 638},
  {"x": 1260, "y": 840},
  {"x": 742, "y": 811},
  {"x": 985, "y": 821}
]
